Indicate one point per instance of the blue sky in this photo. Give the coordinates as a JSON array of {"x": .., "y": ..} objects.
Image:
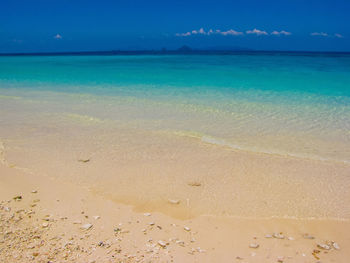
[{"x": 71, "y": 25}]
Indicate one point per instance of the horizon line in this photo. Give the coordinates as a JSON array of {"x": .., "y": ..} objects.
[{"x": 163, "y": 51}]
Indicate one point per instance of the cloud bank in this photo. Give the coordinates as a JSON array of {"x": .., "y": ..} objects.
[{"x": 232, "y": 32}]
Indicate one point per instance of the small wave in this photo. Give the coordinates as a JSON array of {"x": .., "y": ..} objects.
[
  {"x": 82, "y": 118},
  {"x": 224, "y": 143},
  {"x": 10, "y": 97}
]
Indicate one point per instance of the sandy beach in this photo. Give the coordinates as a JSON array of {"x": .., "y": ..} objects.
[
  {"x": 123, "y": 197},
  {"x": 47, "y": 220}
]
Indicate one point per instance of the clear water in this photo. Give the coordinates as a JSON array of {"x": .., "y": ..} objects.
[{"x": 283, "y": 103}]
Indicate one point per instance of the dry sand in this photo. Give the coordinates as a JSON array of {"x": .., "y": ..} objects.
[{"x": 47, "y": 225}]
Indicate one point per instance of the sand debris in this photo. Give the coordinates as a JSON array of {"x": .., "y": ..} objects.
[
  {"x": 194, "y": 183},
  {"x": 180, "y": 243},
  {"x": 84, "y": 160},
  {"x": 314, "y": 253},
  {"x": 278, "y": 235},
  {"x": 324, "y": 246},
  {"x": 17, "y": 198},
  {"x": 162, "y": 243}
]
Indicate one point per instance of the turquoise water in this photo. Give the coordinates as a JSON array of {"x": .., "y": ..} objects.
[{"x": 285, "y": 103}]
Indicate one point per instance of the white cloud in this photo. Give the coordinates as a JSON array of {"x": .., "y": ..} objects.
[
  {"x": 278, "y": 33},
  {"x": 231, "y": 32},
  {"x": 338, "y": 35},
  {"x": 257, "y": 32},
  {"x": 322, "y": 34},
  {"x": 58, "y": 36}
]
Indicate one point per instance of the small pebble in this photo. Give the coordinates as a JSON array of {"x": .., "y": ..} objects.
[
  {"x": 336, "y": 246},
  {"x": 254, "y": 245},
  {"x": 173, "y": 201},
  {"x": 187, "y": 228},
  {"x": 86, "y": 226}
]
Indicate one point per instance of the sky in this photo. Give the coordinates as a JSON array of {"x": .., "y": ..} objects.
[{"x": 100, "y": 25}]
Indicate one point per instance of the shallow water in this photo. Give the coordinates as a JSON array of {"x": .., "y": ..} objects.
[{"x": 262, "y": 132}]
